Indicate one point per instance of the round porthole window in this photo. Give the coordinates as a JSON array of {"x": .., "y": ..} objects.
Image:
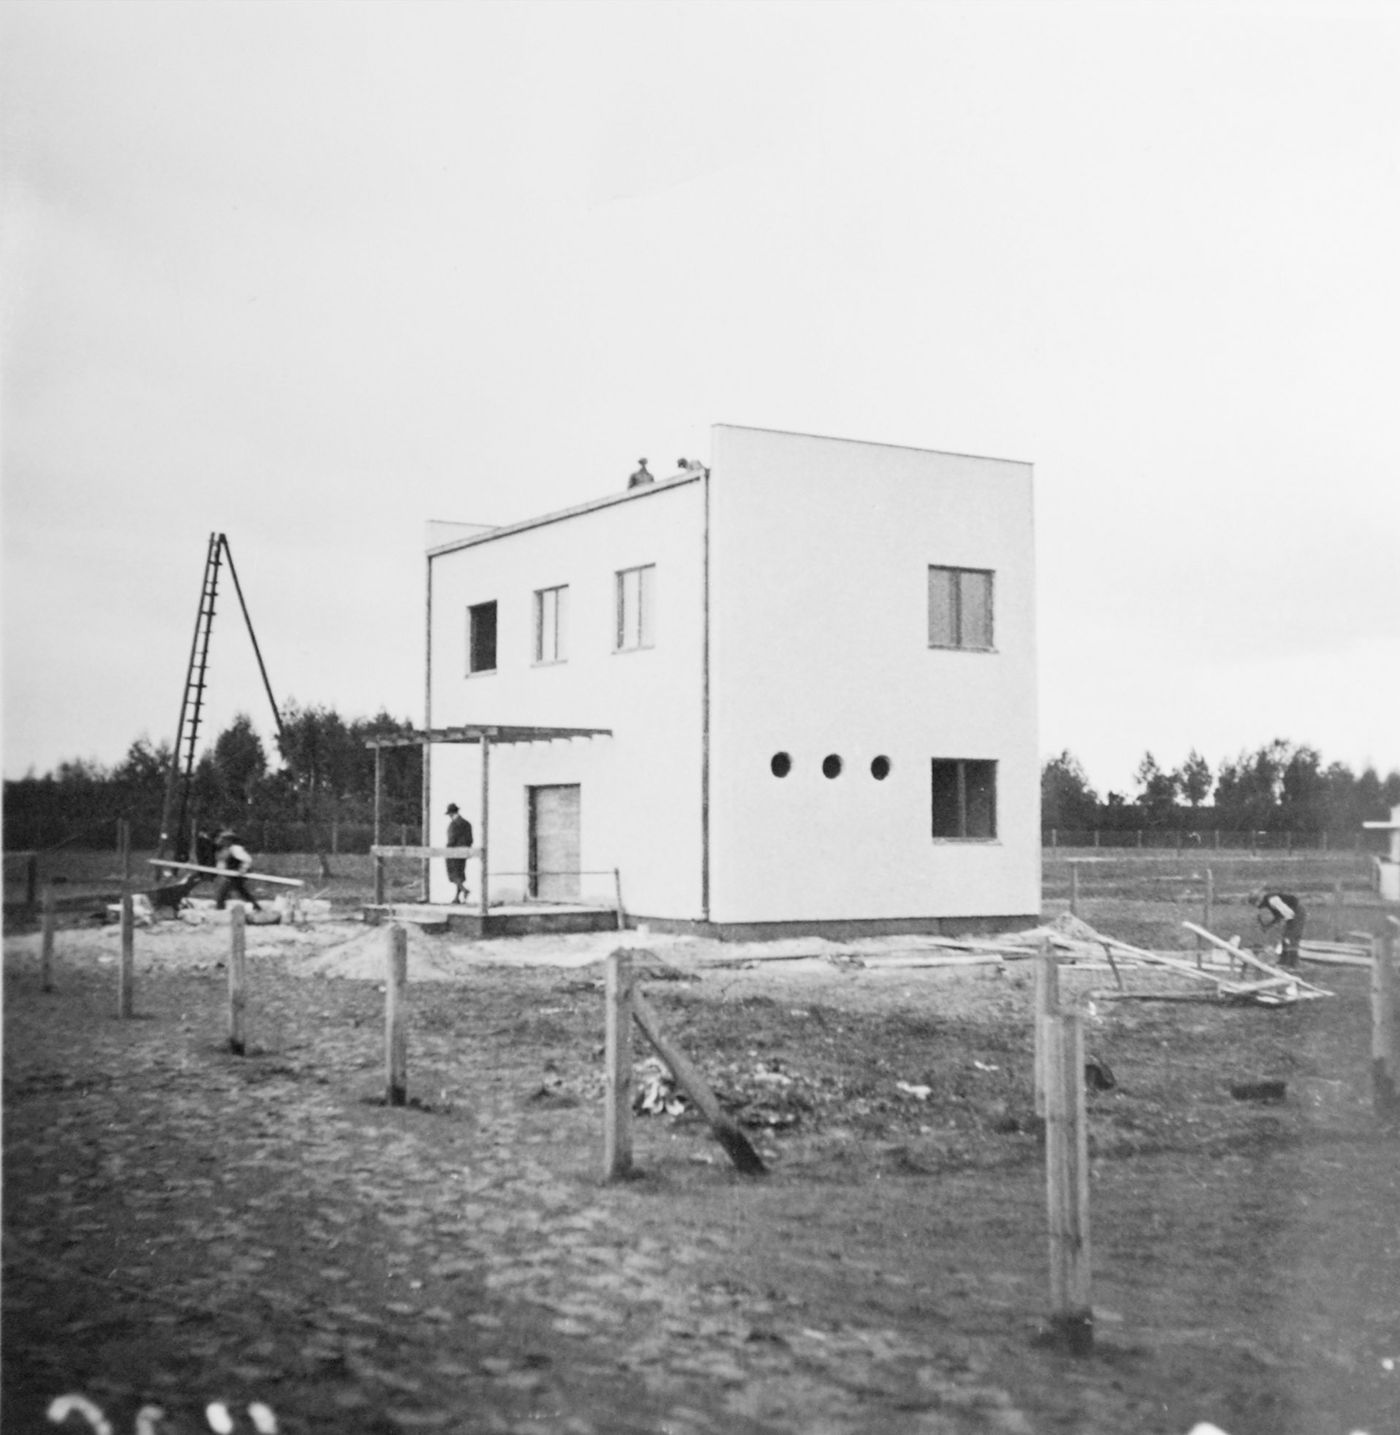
[
  {"x": 781, "y": 764},
  {"x": 831, "y": 765},
  {"x": 880, "y": 768}
]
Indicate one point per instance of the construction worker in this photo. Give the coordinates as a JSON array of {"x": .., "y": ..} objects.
[
  {"x": 459, "y": 834},
  {"x": 234, "y": 859},
  {"x": 1276, "y": 907}
]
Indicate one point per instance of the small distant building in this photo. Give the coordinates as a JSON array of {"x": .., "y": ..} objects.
[
  {"x": 792, "y": 691},
  {"x": 1388, "y": 867}
]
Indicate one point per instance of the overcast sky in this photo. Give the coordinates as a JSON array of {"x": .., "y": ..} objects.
[{"x": 311, "y": 274}]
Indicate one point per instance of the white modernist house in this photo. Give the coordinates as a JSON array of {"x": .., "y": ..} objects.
[{"x": 809, "y": 672}]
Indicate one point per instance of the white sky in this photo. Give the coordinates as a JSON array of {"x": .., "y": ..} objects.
[{"x": 311, "y": 274}]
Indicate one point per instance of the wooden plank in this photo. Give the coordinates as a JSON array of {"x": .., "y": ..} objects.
[
  {"x": 1238, "y": 951},
  {"x": 617, "y": 1070},
  {"x": 225, "y": 872},
  {"x": 737, "y": 1146}
]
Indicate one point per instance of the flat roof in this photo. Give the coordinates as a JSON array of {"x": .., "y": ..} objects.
[
  {"x": 628, "y": 495},
  {"x": 492, "y": 732}
]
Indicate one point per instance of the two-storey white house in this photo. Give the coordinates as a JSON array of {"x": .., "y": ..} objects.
[{"x": 815, "y": 664}]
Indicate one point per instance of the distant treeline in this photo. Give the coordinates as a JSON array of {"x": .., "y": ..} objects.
[
  {"x": 1282, "y": 788},
  {"x": 326, "y": 778}
]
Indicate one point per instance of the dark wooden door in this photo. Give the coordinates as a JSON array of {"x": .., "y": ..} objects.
[{"x": 554, "y": 843}]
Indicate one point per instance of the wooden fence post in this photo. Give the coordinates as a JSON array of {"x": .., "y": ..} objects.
[
  {"x": 617, "y": 892},
  {"x": 378, "y": 881},
  {"x": 237, "y": 975},
  {"x": 126, "y": 974},
  {"x": 1385, "y": 1041},
  {"x": 1074, "y": 889},
  {"x": 1336, "y": 911},
  {"x": 1207, "y": 913},
  {"x": 617, "y": 1075},
  {"x": 1046, "y": 1004},
  {"x": 46, "y": 947},
  {"x": 395, "y": 1011},
  {"x": 124, "y": 851},
  {"x": 1067, "y": 1184}
]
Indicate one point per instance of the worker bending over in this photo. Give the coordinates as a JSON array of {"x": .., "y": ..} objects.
[{"x": 1276, "y": 907}]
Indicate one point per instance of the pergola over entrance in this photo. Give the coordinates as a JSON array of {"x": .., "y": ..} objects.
[{"x": 486, "y": 734}]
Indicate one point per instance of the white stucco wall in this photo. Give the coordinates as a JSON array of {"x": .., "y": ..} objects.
[
  {"x": 820, "y": 551},
  {"x": 641, "y": 789}
]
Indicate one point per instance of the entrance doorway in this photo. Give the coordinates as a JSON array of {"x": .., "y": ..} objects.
[{"x": 554, "y": 842}]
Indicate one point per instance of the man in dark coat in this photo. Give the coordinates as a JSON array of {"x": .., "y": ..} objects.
[
  {"x": 459, "y": 834},
  {"x": 1276, "y": 907}
]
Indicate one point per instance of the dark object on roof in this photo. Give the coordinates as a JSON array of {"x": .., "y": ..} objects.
[{"x": 641, "y": 476}]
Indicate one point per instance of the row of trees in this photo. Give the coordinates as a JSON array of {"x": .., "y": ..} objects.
[
  {"x": 1280, "y": 787},
  {"x": 325, "y": 775}
]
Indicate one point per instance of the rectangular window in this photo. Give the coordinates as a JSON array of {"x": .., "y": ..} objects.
[
  {"x": 959, "y": 608},
  {"x": 964, "y": 798},
  {"x": 636, "y": 607},
  {"x": 481, "y": 638},
  {"x": 551, "y": 624}
]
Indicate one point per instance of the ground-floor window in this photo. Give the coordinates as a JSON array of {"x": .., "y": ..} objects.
[{"x": 964, "y": 797}]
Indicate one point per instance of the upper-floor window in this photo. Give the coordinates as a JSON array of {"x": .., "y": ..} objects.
[
  {"x": 481, "y": 637},
  {"x": 551, "y": 624},
  {"x": 959, "y": 608},
  {"x": 636, "y": 607},
  {"x": 964, "y": 798}
]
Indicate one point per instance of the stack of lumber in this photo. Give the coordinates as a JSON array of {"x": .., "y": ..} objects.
[{"x": 1336, "y": 954}]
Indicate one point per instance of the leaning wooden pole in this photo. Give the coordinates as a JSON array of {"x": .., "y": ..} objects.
[
  {"x": 395, "y": 1019},
  {"x": 237, "y": 979},
  {"x": 737, "y": 1146},
  {"x": 1385, "y": 1041},
  {"x": 1067, "y": 1184},
  {"x": 617, "y": 1108}
]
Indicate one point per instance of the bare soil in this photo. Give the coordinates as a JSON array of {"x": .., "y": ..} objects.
[{"x": 185, "y": 1226}]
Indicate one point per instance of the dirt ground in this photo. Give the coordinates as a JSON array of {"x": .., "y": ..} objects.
[{"x": 183, "y": 1226}]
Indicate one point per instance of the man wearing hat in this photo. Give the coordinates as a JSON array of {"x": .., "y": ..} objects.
[
  {"x": 459, "y": 834},
  {"x": 234, "y": 859}
]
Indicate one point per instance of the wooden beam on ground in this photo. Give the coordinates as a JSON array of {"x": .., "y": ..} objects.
[
  {"x": 225, "y": 872},
  {"x": 737, "y": 1146}
]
